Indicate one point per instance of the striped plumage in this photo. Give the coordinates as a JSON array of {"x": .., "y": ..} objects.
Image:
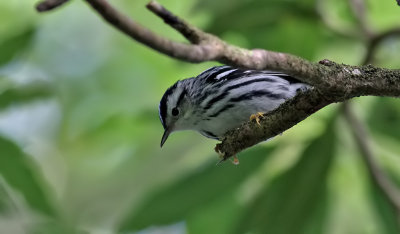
[{"x": 221, "y": 98}]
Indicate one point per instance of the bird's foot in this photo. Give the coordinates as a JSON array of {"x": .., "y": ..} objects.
[
  {"x": 235, "y": 160},
  {"x": 222, "y": 158},
  {"x": 257, "y": 117}
]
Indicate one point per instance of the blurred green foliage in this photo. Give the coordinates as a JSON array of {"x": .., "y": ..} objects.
[
  {"x": 21, "y": 175},
  {"x": 79, "y": 128},
  {"x": 10, "y": 47},
  {"x": 280, "y": 208},
  {"x": 190, "y": 194}
]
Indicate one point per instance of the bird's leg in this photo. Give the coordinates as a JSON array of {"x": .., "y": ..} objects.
[{"x": 257, "y": 117}]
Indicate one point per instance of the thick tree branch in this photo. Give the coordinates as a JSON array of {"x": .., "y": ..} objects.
[
  {"x": 274, "y": 123},
  {"x": 304, "y": 104},
  {"x": 332, "y": 82}
]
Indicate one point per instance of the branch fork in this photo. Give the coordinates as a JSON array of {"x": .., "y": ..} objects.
[{"x": 332, "y": 82}]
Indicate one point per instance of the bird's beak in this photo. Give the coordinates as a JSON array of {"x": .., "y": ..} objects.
[{"x": 165, "y": 136}]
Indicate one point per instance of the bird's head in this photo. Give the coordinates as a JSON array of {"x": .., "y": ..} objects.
[{"x": 175, "y": 110}]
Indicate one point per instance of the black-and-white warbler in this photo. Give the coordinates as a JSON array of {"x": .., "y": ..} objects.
[{"x": 222, "y": 98}]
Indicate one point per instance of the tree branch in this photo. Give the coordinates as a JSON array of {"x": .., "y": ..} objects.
[
  {"x": 332, "y": 82},
  {"x": 323, "y": 13},
  {"x": 373, "y": 39},
  {"x": 376, "y": 40},
  {"x": 49, "y": 5},
  {"x": 304, "y": 104},
  {"x": 359, "y": 10},
  {"x": 182, "y": 51},
  {"x": 205, "y": 47},
  {"x": 379, "y": 177},
  {"x": 274, "y": 123}
]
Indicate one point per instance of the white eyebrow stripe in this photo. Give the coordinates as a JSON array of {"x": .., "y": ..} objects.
[{"x": 224, "y": 74}]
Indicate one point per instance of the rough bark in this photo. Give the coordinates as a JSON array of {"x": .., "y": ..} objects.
[{"x": 332, "y": 82}]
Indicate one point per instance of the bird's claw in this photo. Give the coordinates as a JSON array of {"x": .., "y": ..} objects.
[
  {"x": 235, "y": 160},
  {"x": 257, "y": 117}
]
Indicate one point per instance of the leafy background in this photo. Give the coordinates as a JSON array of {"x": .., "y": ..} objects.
[{"x": 79, "y": 128}]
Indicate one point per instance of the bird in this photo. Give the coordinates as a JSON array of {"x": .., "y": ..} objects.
[{"x": 222, "y": 98}]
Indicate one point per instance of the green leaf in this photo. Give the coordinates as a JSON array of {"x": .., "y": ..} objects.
[
  {"x": 4, "y": 199},
  {"x": 295, "y": 202},
  {"x": 385, "y": 116},
  {"x": 13, "y": 45},
  {"x": 215, "y": 217},
  {"x": 52, "y": 226},
  {"x": 20, "y": 173},
  {"x": 177, "y": 201},
  {"x": 386, "y": 215},
  {"x": 384, "y": 119},
  {"x": 13, "y": 96}
]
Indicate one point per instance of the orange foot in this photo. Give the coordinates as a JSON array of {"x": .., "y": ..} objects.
[
  {"x": 235, "y": 160},
  {"x": 257, "y": 117}
]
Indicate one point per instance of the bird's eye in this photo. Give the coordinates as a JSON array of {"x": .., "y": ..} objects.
[{"x": 175, "y": 111}]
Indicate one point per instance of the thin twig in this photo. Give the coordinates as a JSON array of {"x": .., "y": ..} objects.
[
  {"x": 211, "y": 48},
  {"x": 379, "y": 177},
  {"x": 373, "y": 38},
  {"x": 376, "y": 41},
  {"x": 331, "y": 24},
  {"x": 359, "y": 10},
  {"x": 183, "y": 51},
  {"x": 206, "y": 47},
  {"x": 48, "y": 5},
  {"x": 191, "y": 33}
]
